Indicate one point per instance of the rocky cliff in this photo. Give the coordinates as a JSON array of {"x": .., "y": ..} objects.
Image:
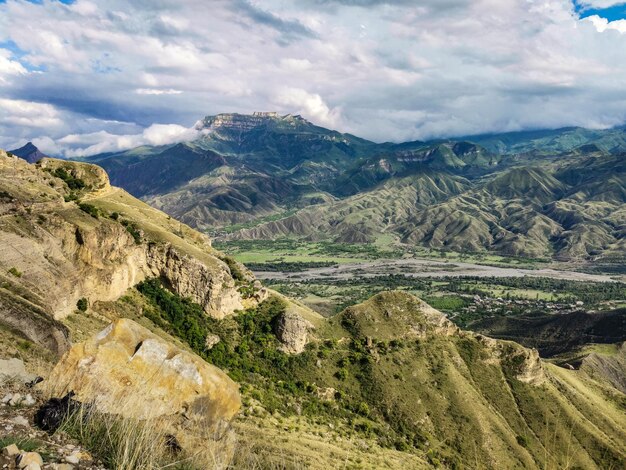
[{"x": 68, "y": 235}]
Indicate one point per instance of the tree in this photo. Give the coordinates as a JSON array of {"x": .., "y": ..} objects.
[{"x": 82, "y": 304}]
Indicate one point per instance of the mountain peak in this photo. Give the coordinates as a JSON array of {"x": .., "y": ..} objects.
[
  {"x": 244, "y": 122},
  {"x": 29, "y": 152}
]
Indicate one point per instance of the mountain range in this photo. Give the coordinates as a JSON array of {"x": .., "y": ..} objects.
[
  {"x": 390, "y": 382},
  {"x": 553, "y": 194}
]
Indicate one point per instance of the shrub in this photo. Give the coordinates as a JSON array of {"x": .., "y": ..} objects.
[
  {"x": 82, "y": 304},
  {"x": 235, "y": 270},
  {"x": 342, "y": 374},
  {"x": 89, "y": 209},
  {"x": 15, "y": 272},
  {"x": 363, "y": 409},
  {"x": 71, "y": 197},
  {"x": 71, "y": 181},
  {"x": 132, "y": 229},
  {"x": 522, "y": 441},
  {"x": 130, "y": 444}
]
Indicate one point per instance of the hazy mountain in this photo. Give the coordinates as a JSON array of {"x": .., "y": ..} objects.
[{"x": 29, "y": 152}]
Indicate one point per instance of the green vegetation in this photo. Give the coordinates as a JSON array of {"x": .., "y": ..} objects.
[
  {"x": 128, "y": 444},
  {"x": 14, "y": 272},
  {"x": 235, "y": 268},
  {"x": 248, "y": 352},
  {"x": 289, "y": 267},
  {"x": 132, "y": 229},
  {"x": 305, "y": 182},
  {"x": 72, "y": 182},
  {"x": 89, "y": 209},
  {"x": 82, "y": 305},
  {"x": 368, "y": 360},
  {"x": 284, "y": 252},
  {"x": 452, "y": 294}
]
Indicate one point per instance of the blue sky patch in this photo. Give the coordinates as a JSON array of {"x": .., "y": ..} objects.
[
  {"x": 18, "y": 55},
  {"x": 617, "y": 12}
]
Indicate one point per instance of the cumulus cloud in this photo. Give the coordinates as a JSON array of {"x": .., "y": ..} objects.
[
  {"x": 28, "y": 114},
  {"x": 9, "y": 67},
  {"x": 602, "y": 24},
  {"x": 80, "y": 145},
  {"x": 309, "y": 104},
  {"x": 106, "y": 71},
  {"x": 601, "y": 3}
]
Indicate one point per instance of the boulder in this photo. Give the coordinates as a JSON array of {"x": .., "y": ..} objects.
[
  {"x": 292, "y": 331},
  {"x": 211, "y": 340},
  {"x": 127, "y": 370},
  {"x": 13, "y": 370},
  {"x": 29, "y": 458},
  {"x": 10, "y": 451}
]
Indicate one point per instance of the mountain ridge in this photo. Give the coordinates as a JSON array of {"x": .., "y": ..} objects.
[{"x": 550, "y": 194}]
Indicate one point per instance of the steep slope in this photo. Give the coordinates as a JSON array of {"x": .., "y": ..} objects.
[
  {"x": 555, "y": 334},
  {"x": 392, "y": 380},
  {"x": 610, "y": 368},
  {"x": 467, "y": 397},
  {"x": 68, "y": 235}
]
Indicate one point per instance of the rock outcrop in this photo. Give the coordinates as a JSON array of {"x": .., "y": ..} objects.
[
  {"x": 292, "y": 331},
  {"x": 211, "y": 287},
  {"x": 91, "y": 241},
  {"x": 127, "y": 370}
]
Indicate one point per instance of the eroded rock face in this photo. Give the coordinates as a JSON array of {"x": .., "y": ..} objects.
[
  {"x": 531, "y": 370},
  {"x": 53, "y": 253},
  {"x": 292, "y": 331},
  {"x": 127, "y": 370},
  {"x": 212, "y": 288}
]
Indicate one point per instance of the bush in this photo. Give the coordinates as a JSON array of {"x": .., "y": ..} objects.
[
  {"x": 71, "y": 197},
  {"x": 72, "y": 182},
  {"x": 89, "y": 209},
  {"x": 82, "y": 304},
  {"x": 134, "y": 232},
  {"x": 235, "y": 270},
  {"x": 15, "y": 272},
  {"x": 521, "y": 440}
]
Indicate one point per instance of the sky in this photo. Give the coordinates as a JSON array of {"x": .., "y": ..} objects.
[{"x": 90, "y": 76}]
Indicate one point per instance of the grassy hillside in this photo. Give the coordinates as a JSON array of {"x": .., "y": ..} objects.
[{"x": 391, "y": 383}]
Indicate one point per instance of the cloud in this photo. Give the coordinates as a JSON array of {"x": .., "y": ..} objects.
[
  {"x": 599, "y": 4},
  {"x": 80, "y": 145},
  {"x": 9, "y": 67},
  {"x": 309, "y": 104},
  {"x": 602, "y": 24},
  {"x": 94, "y": 75},
  {"x": 290, "y": 29},
  {"x": 28, "y": 114},
  {"x": 156, "y": 91}
]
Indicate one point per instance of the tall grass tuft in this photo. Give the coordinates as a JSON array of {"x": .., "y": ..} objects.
[{"x": 121, "y": 443}]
